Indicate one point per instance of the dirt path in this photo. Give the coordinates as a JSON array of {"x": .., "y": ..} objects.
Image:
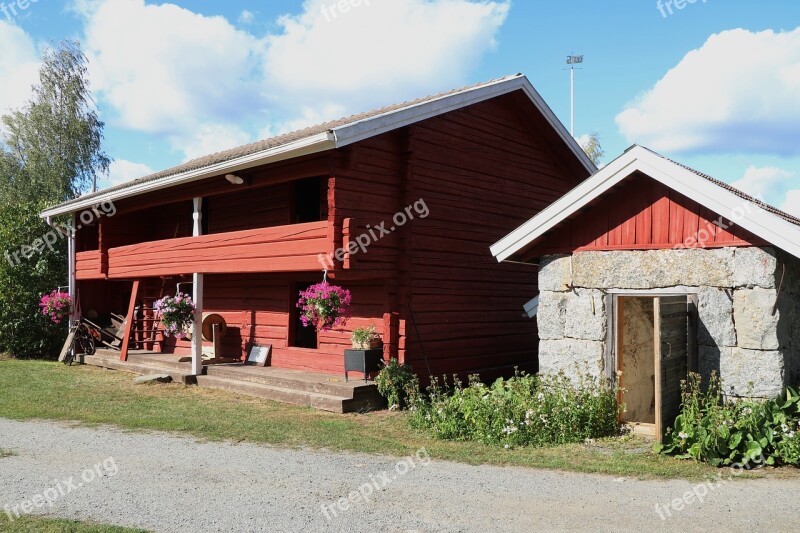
[{"x": 165, "y": 483}]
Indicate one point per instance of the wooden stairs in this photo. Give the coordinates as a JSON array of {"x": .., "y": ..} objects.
[{"x": 320, "y": 391}]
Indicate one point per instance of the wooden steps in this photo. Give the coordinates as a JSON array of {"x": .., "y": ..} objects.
[
  {"x": 180, "y": 372},
  {"x": 320, "y": 391}
]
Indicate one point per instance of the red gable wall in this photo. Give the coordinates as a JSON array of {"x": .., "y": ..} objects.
[{"x": 642, "y": 214}]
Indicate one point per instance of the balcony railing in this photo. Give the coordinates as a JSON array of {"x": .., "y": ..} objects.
[{"x": 292, "y": 248}]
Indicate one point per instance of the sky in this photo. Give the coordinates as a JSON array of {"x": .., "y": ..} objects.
[{"x": 713, "y": 84}]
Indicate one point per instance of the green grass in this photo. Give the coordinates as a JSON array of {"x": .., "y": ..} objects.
[
  {"x": 5, "y": 453},
  {"x": 44, "y": 390},
  {"x": 31, "y": 524}
]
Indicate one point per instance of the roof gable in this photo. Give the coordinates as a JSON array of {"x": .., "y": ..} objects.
[
  {"x": 759, "y": 219},
  {"x": 328, "y": 136}
]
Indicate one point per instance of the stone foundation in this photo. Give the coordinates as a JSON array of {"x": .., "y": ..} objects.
[{"x": 755, "y": 350}]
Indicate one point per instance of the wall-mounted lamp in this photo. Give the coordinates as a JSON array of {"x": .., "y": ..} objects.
[{"x": 234, "y": 179}]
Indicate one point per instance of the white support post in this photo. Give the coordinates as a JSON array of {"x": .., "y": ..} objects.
[
  {"x": 71, "y": 282},
  {"x": 197, "y": 296}
]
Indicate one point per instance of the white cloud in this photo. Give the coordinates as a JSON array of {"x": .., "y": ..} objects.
[
  {"x": 186, "y": 72},
  {"x": 209, "y": 138},
  {"x": 792, "y": 203},
  {"x": 19, "y": 66},
  {"x": 121, "y": 171},
  {"x": 246, "y": 17},
  {"x": 763, "y": 182},
  {"x": 738, "y": 92},
  {"x": 203, "y": 84},
  {"x": 377, "y": 52}
]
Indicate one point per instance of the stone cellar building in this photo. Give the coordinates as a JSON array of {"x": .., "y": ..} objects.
[{"x": 649, "y": 270}]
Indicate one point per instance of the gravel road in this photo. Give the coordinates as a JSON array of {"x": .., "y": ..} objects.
[{"x": 161, "y": 482}]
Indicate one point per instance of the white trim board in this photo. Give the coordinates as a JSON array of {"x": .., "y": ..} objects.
[
  {"x": 720, "y": 200},
  {"x": 344, "y": 135}
]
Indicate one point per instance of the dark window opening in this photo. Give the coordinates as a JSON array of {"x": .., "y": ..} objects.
[
  {"x": 299, "y": 335},
  {"x": 307, "y": 200},
  {"x": 205, "y": 215}
]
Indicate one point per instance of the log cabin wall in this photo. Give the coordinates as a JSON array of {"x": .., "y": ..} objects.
[
  {"x": 479, "y": 172},
  {"x": 482, "y": 171}
]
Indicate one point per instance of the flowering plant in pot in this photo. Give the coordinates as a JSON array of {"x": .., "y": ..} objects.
[
  {"x": 366, "y": 338},
  {"x": 56, "y": 306},
  {"x": 324, "y": 306},
  {"x": 176, "y": 314}
]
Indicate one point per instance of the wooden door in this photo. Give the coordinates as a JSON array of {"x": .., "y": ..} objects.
[{"x": 672, "y": 357}]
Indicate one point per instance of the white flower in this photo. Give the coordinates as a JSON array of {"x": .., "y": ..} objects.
[
  {"x": 747, "y": 411},
  {"x": 790, "y": 434},
  {"x": 540, "y": 396},
  {"x": 506, "y": 446},
  {"x": 784, "y": 428},
  {"x": 682, "y": 435}
]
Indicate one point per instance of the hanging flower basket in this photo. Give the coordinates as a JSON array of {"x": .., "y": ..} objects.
[
  {"x": 176, "y": 314},
  {"x": 324, "y": 306},
  {"x": 56, "y": 306}
]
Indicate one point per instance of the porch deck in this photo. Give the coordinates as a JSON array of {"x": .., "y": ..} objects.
[{"x": 321, "y": 391}]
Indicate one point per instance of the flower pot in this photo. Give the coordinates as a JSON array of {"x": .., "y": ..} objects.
[{"x": 374, "y": 343}]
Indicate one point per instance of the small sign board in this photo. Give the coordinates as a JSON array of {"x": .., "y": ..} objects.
[{"x": 259, "y": 355}]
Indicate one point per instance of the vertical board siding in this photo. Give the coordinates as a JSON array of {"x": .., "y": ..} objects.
[{"x": 642, "y": 214}]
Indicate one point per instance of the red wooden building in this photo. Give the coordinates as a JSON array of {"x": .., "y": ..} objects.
[{"x": 432, "y": 182}]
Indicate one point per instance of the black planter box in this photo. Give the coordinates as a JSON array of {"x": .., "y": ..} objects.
[{"x": 364, "y": 361}]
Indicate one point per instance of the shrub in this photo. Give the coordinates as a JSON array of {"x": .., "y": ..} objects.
[
  {"x": 521, "y": 411},
  {"x": 724, "y": 432},
  {"x": 24, "y": 330},
  {"x": 396, "y": 382}
]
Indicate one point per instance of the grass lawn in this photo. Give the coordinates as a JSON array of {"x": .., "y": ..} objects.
[
  {"x": 31, "y": 524},
  {"x": 44, "y": 390}
]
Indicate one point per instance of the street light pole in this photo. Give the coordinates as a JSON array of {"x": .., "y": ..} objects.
[{"x": 572, "y": 61}]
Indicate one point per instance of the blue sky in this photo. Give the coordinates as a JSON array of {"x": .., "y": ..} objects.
[{"x": 711, "y": 83}]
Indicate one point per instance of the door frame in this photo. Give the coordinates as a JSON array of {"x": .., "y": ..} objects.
[{"x": 613, "y": 347}]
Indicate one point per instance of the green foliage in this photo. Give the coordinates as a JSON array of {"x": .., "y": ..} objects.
[
  {"x": 24, "y": 331},
  {"x": 49, "y": 152},
  {"x": 593, "y": 149},
  {"x": 364, "y": 336},
  {"x": 521, "y": 411},
  {"x": 396, "y": 382},
  {"x": 51, "y": 147},
  {"x": 720, "y": 432}
]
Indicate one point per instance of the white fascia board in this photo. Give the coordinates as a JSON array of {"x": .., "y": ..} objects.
[
  {"x": 309, "y": 145},
  {"x": 370, "y": 127},
  {"x": 746, "y": 214},
  {"x": 730, "y": 206}
]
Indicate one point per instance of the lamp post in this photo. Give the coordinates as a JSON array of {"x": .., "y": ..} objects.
[{"x": 572, "y": 61}]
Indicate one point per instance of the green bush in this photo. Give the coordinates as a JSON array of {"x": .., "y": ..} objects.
[
  {"x": 521, "y": 411},
  {"x": 24, "y": 331},
  {"x": 720, "y": 432},
  {"x": 395, "y": 382}
]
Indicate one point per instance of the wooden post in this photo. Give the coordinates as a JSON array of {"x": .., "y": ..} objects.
[
  {"x": 197, "y": 296},
  {"x": 126, "y": 338}
]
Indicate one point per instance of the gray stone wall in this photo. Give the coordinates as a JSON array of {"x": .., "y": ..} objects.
[{"x": 754, "y": 349}]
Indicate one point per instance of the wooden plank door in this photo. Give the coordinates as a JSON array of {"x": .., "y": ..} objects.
[{"x": 672, "y": 357}]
